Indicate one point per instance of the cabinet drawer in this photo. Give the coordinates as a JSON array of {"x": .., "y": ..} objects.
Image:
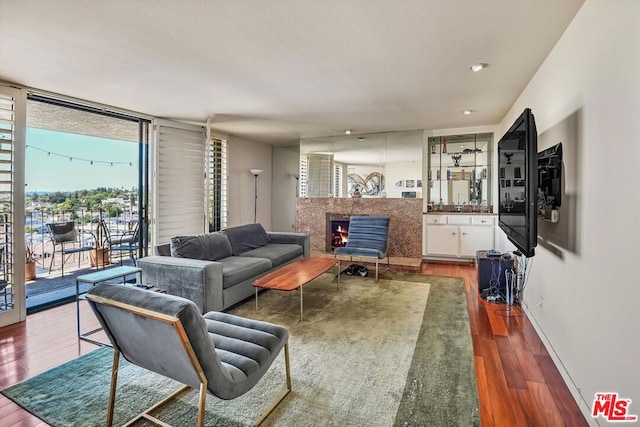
[
  {"x": 436, "y": 219},
  {"x": 482, "y": 220},
  {"x": 458, "y": 219}
]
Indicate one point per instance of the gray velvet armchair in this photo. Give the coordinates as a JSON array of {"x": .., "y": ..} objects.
[
  {"x": 368, "y": 237},
  {"x": 217, "y": 353}
]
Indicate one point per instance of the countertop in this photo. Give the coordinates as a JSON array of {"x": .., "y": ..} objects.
[{"x": 460, "y": 213}]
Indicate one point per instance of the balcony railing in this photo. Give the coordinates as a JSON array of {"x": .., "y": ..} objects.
[{"x": 38, "y": 236}]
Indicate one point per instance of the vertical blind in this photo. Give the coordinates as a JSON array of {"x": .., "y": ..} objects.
[
  {"x": 179, "y": 180},
  {"x": 319, "y": 175}
]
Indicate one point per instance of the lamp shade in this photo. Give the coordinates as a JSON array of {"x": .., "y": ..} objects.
[{"x": 255, "y": 172}]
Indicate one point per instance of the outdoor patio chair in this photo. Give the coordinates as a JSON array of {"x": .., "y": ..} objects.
[
  {"x": 4, "y": 292},
  {"x": 67, "y": 241},
  {"x": 120, "y": 243},
  {"x": 4, "y": 285},
  {"x": 128, "y": 242},
  {"x": 216, "y": 353},
  {"x": 367, "y": 237}
]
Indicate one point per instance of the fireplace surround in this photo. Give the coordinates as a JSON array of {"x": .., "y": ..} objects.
[{"x": 405, "y": 224}]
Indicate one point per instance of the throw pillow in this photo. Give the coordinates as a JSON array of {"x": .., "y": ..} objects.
[
  {"x": 210, "y": 247},
  {"x": 244, "y": 238}
]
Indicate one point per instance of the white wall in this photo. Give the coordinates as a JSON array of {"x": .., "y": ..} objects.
[
  {"x": 585, "y": 302},
  {"x": 245, "y": 155}
]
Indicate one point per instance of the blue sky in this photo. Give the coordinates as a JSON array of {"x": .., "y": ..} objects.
[{"x": 48, "y": 167}]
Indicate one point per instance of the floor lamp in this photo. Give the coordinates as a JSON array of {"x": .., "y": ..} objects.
[{"x": 255, "y": 173}]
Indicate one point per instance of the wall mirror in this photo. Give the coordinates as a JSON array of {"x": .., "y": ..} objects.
[{"x": 385, "y": 164}]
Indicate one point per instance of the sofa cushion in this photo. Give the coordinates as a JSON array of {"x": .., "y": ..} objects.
[
  {"x": 278, "y": 253},
  {"x": 236, "y": 269},
  {"x": 244, "y": 238},
  {"x": 210, "y": 247}
]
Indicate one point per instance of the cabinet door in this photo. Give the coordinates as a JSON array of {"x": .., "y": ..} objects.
[
  {"x": 442, "y": 240},
  {"x": 474, "y": 239}
]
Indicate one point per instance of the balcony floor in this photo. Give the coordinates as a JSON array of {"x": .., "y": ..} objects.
[{"x": 52, "y": 289}]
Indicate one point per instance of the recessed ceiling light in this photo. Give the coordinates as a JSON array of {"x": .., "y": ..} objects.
[
  {"x": 348, "y": 131},
  {"x": 361, "y": 138},
  {"x": 478, "y": 67},
  {"x": 467, "y": 112}
]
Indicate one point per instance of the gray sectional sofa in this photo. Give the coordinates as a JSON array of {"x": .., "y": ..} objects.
[{"x": 217, "y": 270}]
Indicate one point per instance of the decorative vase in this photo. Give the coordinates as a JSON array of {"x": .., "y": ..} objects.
[{"x": 29, "y": 270}]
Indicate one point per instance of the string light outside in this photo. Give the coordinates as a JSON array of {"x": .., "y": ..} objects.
[{"x": 72, "y": 158}]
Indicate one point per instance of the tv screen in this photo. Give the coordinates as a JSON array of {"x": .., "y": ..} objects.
[{"x": 518, "y": 188}]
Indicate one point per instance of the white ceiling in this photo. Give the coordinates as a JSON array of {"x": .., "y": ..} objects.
[{"x": 279, "y": 70}]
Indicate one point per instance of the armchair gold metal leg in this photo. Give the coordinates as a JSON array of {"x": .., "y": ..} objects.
[
  {"x": 146, "y": 414},
  {"x": 201, "y": 404},
  {"x": 284, "y": 394},
  {"x": 112, "y": 392},
  {"x": 376, "y": 271}
]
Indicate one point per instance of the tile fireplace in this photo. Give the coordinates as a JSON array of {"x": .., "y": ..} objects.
[{"x": 405, "y": 225}]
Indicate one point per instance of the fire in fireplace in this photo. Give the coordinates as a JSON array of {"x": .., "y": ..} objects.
[{"x": 337, "y": 231}]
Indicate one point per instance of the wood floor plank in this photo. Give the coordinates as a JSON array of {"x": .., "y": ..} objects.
[
  {"x": 486, "y": 414},
  {"x": 546, "y": 406},
  {"x": 528, "y": 361},
  {"x": 513, "y": 371},
  {"x": 502, "y": 409},
  {"x": 528, "y": 414},
  {"x": 498, "y": 326}
]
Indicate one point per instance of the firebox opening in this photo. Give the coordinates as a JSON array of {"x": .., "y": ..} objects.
[{"x": 337, "y": 231}]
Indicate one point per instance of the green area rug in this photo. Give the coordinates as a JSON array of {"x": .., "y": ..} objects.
[{"x": 397, "y": 352}]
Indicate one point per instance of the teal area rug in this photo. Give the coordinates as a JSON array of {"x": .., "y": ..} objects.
[{"x": 397, "y": 352}]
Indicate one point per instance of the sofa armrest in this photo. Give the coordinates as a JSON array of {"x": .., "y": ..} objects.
[
  {"x": 302, "y": 239},
  {"x": 197, "y": 280}
]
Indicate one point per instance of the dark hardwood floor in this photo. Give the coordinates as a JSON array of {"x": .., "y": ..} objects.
[{"x": 518, "y": 384}]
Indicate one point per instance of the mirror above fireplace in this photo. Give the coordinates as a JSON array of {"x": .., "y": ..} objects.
[{"x": 385, "y": 164}]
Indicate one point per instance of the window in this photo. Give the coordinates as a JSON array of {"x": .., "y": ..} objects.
[{"x": 217, "y": 182}]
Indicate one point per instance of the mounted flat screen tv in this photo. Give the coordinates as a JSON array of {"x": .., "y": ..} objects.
[
  {"x": 549, "y": 181},
  {"x": 518, "y": 163}
]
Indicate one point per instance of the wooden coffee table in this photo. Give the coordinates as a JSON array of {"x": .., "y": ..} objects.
[{"x": 295, "y": 275}]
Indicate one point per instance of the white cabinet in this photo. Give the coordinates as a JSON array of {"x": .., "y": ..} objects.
[
  {"x": 456, "y": 235},
  {"x": 475, "y": 238},
  {"x": 443, "y": 239}
]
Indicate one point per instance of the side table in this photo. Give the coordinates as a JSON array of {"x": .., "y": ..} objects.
[{"x": 95, "y": 278}]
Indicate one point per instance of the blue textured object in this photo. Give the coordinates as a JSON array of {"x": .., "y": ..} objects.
[{"x": 368, "y": 237}]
